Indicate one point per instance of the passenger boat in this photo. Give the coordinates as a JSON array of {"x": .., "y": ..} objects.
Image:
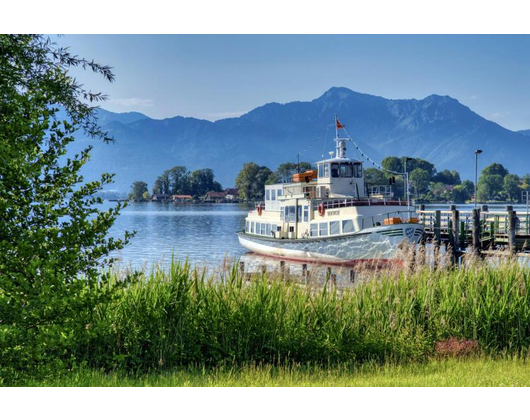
[{"x": 327, "y": 215}]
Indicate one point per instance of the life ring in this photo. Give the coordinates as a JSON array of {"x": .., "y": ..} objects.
[
  {"x": 260, "y": 209},
  {"x": 321, "y": 209}
]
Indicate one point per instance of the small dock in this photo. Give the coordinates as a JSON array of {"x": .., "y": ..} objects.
[{"x": 479, "y": 230}]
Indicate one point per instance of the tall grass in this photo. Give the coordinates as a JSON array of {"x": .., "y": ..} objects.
[{"x": 182, "y": 317}]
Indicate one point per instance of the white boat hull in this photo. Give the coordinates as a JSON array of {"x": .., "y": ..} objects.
[{"x": 379, "y": 243}]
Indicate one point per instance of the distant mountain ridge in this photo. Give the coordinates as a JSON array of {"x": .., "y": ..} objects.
[{"x": 437, "y": 128}]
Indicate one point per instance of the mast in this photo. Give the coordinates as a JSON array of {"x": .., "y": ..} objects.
[{"x": 340, "y": 143}]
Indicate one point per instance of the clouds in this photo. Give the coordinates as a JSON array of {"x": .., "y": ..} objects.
[
  {"x": 133, "y": 103},
  {"x": 500, "y": 115}
]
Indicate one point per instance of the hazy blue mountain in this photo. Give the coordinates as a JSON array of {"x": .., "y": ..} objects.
[
  {"x": 525, "y": 132},
  {"x": 106, "y": 117},
  {"x": 437, "y": 128}
]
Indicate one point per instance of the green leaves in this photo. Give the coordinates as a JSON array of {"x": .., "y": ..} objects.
[{"x": 53, "y": 236}]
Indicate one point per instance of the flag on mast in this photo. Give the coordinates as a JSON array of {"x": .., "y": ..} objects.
[{"x": 339, "y": 125}]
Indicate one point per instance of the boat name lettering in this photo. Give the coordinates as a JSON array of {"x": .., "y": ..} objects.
[{"x": 333, "y": 213}]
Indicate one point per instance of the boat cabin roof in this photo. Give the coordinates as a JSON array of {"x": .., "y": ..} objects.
[{"x": 339, "y": 160}]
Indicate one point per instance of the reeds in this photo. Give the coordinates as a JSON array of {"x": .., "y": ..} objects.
[{"x": 184, "y": 317}]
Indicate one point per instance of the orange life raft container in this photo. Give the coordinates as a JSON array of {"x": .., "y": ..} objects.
[{"x": 306, "y": 176}]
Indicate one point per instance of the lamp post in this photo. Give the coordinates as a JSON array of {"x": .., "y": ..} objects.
[
  {"x": 477, "y": 152},
  {"x": 407, "y": 182}
]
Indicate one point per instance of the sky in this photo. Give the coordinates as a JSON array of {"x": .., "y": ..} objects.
[{"x": 219, "y": 76}]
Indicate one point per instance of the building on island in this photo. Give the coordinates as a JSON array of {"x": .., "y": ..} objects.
[
  {"x": 232, "y": 194},
  {"x": 161, "y": 198},
  {"x": 182, "y": 198},
  {"x": 215, "y": 197}
]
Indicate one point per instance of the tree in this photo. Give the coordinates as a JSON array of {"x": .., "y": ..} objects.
[
  {"x": 179, "y": 180},
  {"x": 469, "y": 186},
  {"x": 202, "y": 181},
  {"x": 285, "y": 171},
  {"x": 489, "y": 186},
  {"x": 419, "y": 178},
  {"x": 525, "y": 186},
  {"x": 138, "y": 189},
  {"x": 162, "y": 184},
  {"x": 437, "y": 189},
  {"x": 392, "y": 163},
  {"x": 417, "y": 163},
  {"x": 447, "y": 177},
  {"x": 146, "y": 196},
  {"x": 53, "y": 237},
  {"x": 494, "y": 169},
  {"x": 251, "y": 181},
  {"x": 460, "y": 194},
  {"x": 511, "y": 187},
  {"x": 375, "y": 177}
]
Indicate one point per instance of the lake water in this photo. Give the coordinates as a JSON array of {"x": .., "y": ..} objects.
[{"x": 203, "y": 233}]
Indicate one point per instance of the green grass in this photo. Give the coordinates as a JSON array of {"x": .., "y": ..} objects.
[
  {"x": 175, "y": 318},
  {"x": 169, "y": 321},
  {"x": 472, "y": 372}
]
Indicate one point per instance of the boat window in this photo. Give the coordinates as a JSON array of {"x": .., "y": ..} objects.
[
  {"x": 279, "y": 192},
  {"x": 326, "y": 170},
  {"x": 334, "y": 228},
  {"x": 252, "y": 227},
  {"x": 273, "y": 195},
  {"x": 257, "y": 228},
  {"x": 262, "y": 228},
  {"x": 274, "y": 228},
  {"x": 313, "y": 229},
  {"x": 347, "y": 226},
  {"x": 299, "y": 219},
  {"x": 320, "y": 170},
  {"x": 346, "y": 170},
  {"x": 246, "y": 227},
  {"x": 268, "y": 231},
  {"x": 290, "y": 214},
  {"x": 267, "y": 195},
  {"x": 334, "y": 170},
  {"x": 323, "y": 229},
  {"x": 282, "y": 213},
  {"x": 357, "y": 170},
  {"x": 306, "y": 213}
]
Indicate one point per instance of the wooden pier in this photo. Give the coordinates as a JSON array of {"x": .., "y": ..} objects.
[{"x": 478, "y": 230}]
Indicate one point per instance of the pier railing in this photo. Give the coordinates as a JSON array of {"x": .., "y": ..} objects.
[{"x": 480, "y": 228}]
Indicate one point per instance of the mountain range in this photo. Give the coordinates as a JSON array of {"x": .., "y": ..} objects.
[{"x": 437, "y": 128}]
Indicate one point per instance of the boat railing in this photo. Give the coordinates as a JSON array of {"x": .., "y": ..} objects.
[
  {"x": 351, "y": 202},
  {"x": 378, "y": 219},
  {"x": 308, "y": 189}
]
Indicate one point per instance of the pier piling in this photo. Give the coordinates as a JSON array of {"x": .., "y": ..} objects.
[
  {"x": 512, "y": 226},
  {"x": 476, "y": 232}
]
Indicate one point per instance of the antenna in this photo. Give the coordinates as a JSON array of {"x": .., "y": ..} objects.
[{"x": 298, "y": 163}]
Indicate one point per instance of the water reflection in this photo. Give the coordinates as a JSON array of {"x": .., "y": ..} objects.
[{"x": 205, "y": 234}]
